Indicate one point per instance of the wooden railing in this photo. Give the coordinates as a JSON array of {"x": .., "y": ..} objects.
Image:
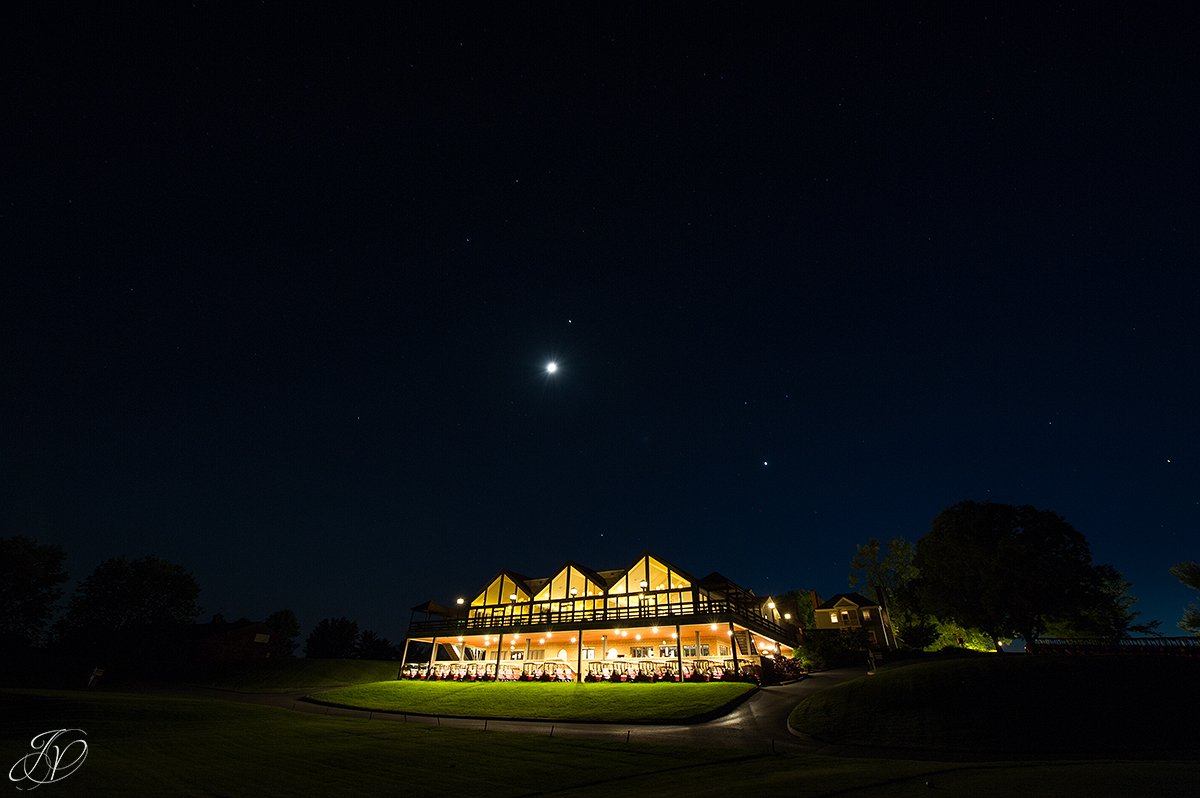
[
  {"x": 1182, "y": 646},
  {"x": 519, "y": 615}
]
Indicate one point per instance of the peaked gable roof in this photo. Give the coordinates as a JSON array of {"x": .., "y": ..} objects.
[{"x": 847, "y": 599}]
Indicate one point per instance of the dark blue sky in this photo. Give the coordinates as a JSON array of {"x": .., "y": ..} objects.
[{"x": 280, "y": 289}]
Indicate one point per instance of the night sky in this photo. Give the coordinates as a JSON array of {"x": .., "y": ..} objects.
[{"x": 280, "y": 286}]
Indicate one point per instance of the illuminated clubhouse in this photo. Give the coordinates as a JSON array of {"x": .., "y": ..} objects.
[{"x": 651, "y": 620}]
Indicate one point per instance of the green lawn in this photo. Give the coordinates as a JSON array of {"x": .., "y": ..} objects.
[
  {"x": 296, "y": 675},
  {"x": 156, "y": 745},
  {"x": 631, "y": 703},
  {"x": 1017, "y": 704}
]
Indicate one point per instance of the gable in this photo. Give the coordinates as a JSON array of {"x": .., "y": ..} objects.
[
  {"x": 656, "y": 573},
  {"x": 499, "y": 590}
]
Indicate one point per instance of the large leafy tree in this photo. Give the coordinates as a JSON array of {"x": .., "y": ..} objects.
[
  {"x": 126, "y": 594},
  {"x": 1006, "y": 570},
  {"x": 31, "y": 578},
  {"x": 132, "y": 615},
  {"x": 1188, "y": 572}
]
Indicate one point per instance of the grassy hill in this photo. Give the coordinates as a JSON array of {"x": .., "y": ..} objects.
[
  {"x": 1013, "y": 704},
  {"x": 296, "y": 675}
]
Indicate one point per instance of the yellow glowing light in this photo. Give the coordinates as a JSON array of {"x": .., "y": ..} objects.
[
  {"x": 572, "y": 640},
  {"x": 712, "y": 626},
  {"x": 459, "y": 601},
  {"x": 654, "y": 629}
]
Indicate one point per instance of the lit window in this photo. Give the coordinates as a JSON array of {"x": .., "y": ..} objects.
[
  {"x": 866, "y": 615},
  {"x": 833, "y": 617}
]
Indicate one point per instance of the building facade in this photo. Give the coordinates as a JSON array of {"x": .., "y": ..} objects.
[
  {"x": 650, "y": 620},
  {"x": 850, "y": 611}
]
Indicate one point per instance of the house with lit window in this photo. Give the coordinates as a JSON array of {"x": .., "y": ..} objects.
[
  {"x": 849, "y": 611},
  {"x": 649, "y": 620}
]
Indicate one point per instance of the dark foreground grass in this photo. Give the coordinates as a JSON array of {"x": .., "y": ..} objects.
[
  {"x": 156, "y": 745},
  {"x": 295, "y": 675},
  {"x": 636, "y": 703},
  {"x": 1124, "y": 706}
]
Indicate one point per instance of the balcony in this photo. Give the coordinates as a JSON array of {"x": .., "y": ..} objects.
[{"x": 528, "y": 616}]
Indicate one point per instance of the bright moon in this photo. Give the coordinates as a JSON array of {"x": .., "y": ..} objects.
[{"x": 551, "y": 367}]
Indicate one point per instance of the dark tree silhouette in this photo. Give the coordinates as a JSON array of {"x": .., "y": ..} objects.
[
  {"x": 332, "y": 638},
  {"x": 372, "y": 646},
  {"x": 1008, "y": 570},
  {"x": 31, "y": 578},
  {"x": 285, "y": 630},
  {"x": 1188, "y": 572},
  {"x": 132, "y": 612}
]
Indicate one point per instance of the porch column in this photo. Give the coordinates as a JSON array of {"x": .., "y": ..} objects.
[
  {"x": 679, "y": 652},
  {"x": 432, "y": 657},
  {"x": 733, "y": 648},
  {"x": 697, "y": 648},
  {"x": 404, "y": 656},
  {"x": 499, "y": 651},
  {"x": 579, "y": 658}
]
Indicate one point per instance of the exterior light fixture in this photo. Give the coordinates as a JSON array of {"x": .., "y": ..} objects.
[
  {"x": 512, "y": 597},
  {"x": 654, "y": 629},
  {"x": 787, "y": 616},
  {"x": 672, "y": 635},
  {"x": 770, "y": 605},
  {"x": 460, "y": 638},
  {"x": 712, "y": 626},
  {"x": 643, "y": 584},
  {"x": 574, "y": 591},
  {"x": 572, "y": 640},
  {"x": 637, "y": 637},
  {"x": 459, "y": 601}
]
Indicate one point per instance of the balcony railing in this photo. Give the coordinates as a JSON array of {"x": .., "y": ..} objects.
[{"x": 526, "y": 614}]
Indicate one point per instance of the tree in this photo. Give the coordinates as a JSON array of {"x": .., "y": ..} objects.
[
  {"x": 285, "y": 629},
  {"x": 128, "y": 594},
  {"x": 132, "y": 612},
  {"x": 31, "y": 577},
  {"x": 1188, "y": 572},
  {"x": 1108, "y": 611},
  {"x": 372, "y": 646},
  {"x": 799, "y": 604},
  {"x": 892, "y": 576},
  {"x": 1005, "y": 570},
  {"x": 332, "y": 638}
]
